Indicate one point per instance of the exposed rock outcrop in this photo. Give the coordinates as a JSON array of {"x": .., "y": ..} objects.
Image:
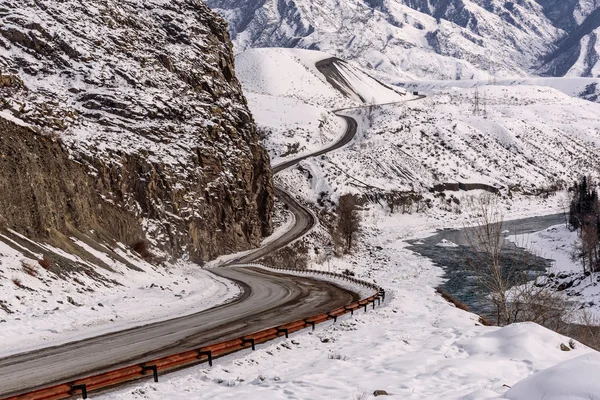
[{"x": 141, "y": 127}]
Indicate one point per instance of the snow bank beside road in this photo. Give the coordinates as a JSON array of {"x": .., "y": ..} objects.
[{"x": 46, "y": 309}]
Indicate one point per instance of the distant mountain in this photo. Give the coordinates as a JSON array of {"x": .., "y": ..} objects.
[
  {"x": 429, "y": 39},
  {"x": 578, "y": 52}
]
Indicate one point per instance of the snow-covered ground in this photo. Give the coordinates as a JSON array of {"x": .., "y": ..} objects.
[
  {"x": 567, "y": 275},
  {"x": 47, "y": 309},
  {"x": 417, "y": 346},
  {"x": 570, "y": 380}
]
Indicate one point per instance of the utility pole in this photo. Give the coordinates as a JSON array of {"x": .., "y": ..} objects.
[
  {"x": 328, "y": 254},
  {"x": 476, "y": 109},
  {"x": 484, "y": 106}
]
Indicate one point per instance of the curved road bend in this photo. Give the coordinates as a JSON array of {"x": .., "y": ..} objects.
[
  {"x": 305, "y": 220},
  {"x": 269, "y": 299}
]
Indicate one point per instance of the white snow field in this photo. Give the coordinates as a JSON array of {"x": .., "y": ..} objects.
[
  {"x": 570, "y": 380},
  {"x": 103, "y": 301},
  {"x": 416, "y": 345}
]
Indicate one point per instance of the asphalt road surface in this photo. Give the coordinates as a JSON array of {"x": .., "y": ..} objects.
[{"x": 269, "y": 299}]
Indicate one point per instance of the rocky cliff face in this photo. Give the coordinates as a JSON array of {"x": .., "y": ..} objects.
[{"x": 139, "y": 126}]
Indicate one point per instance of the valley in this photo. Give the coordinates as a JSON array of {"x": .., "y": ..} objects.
[{"x": 161, "y": 161}]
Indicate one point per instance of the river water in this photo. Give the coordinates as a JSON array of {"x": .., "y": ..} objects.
[{"x": 460, "y": 281}]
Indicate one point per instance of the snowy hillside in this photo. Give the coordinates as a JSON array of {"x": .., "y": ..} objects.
[
  {"x": 577, "y": 53},
  {"x": 530, "y": 137},
  {"x": 411, "y": 38},
  {"x": 143, "y": 95},
  {"x": 125, "y": 146},
  {"x": 292, "y": 101},
  {"x": 456, "y": 39}
]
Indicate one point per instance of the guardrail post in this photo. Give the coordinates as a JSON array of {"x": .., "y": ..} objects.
[
  {"x": 310, "y": 323},
  {"x": 207, "y": 353},
  {"x": 332, "y": 316},
  {"x": 351, "y": 310},
  {"x": 152, "y": 368},
  {"x": 251, "y": 341},
  {"x": 366, "y": 304},
  {"x": 382, "y": 294},
  {"x": 373, "y": 303},
  {"x": 83, "y": 389},
  {"x": 284, "y": 330}
]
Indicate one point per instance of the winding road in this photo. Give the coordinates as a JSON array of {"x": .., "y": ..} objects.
[
  {"x": 268, "y": 299},
  {"x": 304, "y": 219}
]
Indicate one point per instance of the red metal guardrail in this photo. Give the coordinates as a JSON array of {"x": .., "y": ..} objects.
[{"x": 202, "y": 354}]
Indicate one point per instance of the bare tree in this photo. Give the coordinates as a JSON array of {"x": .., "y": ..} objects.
[
  {"x": 486, "y": 241},
  {"x": 506, "y": 273},
  {"x": 348, "y": 220}
]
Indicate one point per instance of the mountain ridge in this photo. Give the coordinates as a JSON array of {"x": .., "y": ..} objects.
[{"x": 441, "y": 39}]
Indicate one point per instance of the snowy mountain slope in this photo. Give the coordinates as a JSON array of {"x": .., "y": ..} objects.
[
  {"x": 125, "y": 144},
  {"x": 456, "y": 39},
  {"x": 531, "y": 137},
  {"x": 292, "y": 101},
  {"x": 585, "y": 88},
  {"x": 260, "y": 71},
  {"x": 143, "y": 95},
  {"x": 450, "y": 39},
  {"x": 577, "y": 54}
]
